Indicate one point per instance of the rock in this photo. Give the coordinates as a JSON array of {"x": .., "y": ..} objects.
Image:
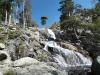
[
  {"x": 26, "y": 61},
  {"x": 98, "y": 59},
  {"x": 43, "y": 56},
  {"x": 68, "y": 46},
  {"x": 3, "y": 56},
  {"x": 2, "y": 46},
  {"x": 39, "y": 69},
  {"x": 34, "y": 34},
  {"x": 11, "y": 48},
  {"x": 4, "y": 69},
  {"x": 6, "y": 60},
  {"x": 96, "y": 66},
  {"x": 1, "y": 73}
]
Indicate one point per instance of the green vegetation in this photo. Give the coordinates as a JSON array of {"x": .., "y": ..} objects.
[
  {"x": 5, "y": 6},
  {"x": 74, "y": 18},
  {"x": 9, "y": 9},
  {"x": 66, "y": 9}
]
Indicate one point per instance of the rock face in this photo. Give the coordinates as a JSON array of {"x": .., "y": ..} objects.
[
  {"x": 28, "y": 44},
  {"x": 25, "y": 55},
  {"x": 30, "y": 66}
]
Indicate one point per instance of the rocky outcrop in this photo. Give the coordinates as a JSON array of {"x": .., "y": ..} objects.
[
  {"x": 30, "y": 66},
  {"x": 24, "y": 54},
  {"x": 38, "y": 69}
]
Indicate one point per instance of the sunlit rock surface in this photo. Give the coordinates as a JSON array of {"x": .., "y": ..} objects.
[{"x": 25, "y": 61}]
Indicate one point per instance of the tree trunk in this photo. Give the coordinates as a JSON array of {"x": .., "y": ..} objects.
[
  {"x": 9, "y": 20},
  {"x": 23, "y": 15},
  {"x": 16, "y": 13},
  {"x": 6, "y": 21},
  {"x": 6, "y": 18},
  {"x": 69, "y": 14}
]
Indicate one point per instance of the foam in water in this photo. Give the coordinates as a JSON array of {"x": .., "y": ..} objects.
[{"x": 51, "y": 33}]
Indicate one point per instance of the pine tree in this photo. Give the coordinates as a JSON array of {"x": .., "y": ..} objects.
[
  {"x": 24, "y": 16},
  {"x": 28, "y": 12},
  {"x": 66, "y": 9},
  {"x": 5, "y": 9}
]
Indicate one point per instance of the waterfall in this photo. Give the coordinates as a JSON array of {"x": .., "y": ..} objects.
[{"x": 65, "y": 57}]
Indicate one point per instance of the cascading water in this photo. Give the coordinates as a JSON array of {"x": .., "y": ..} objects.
[{"x": 65, "y": 57}]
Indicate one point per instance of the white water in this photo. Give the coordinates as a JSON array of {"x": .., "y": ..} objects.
[
  {"x": 51, "y": 33},
  {"x": 66, "y": 57}
]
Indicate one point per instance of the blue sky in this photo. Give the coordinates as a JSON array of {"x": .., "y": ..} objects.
[{"x": 49, "y": 8}]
